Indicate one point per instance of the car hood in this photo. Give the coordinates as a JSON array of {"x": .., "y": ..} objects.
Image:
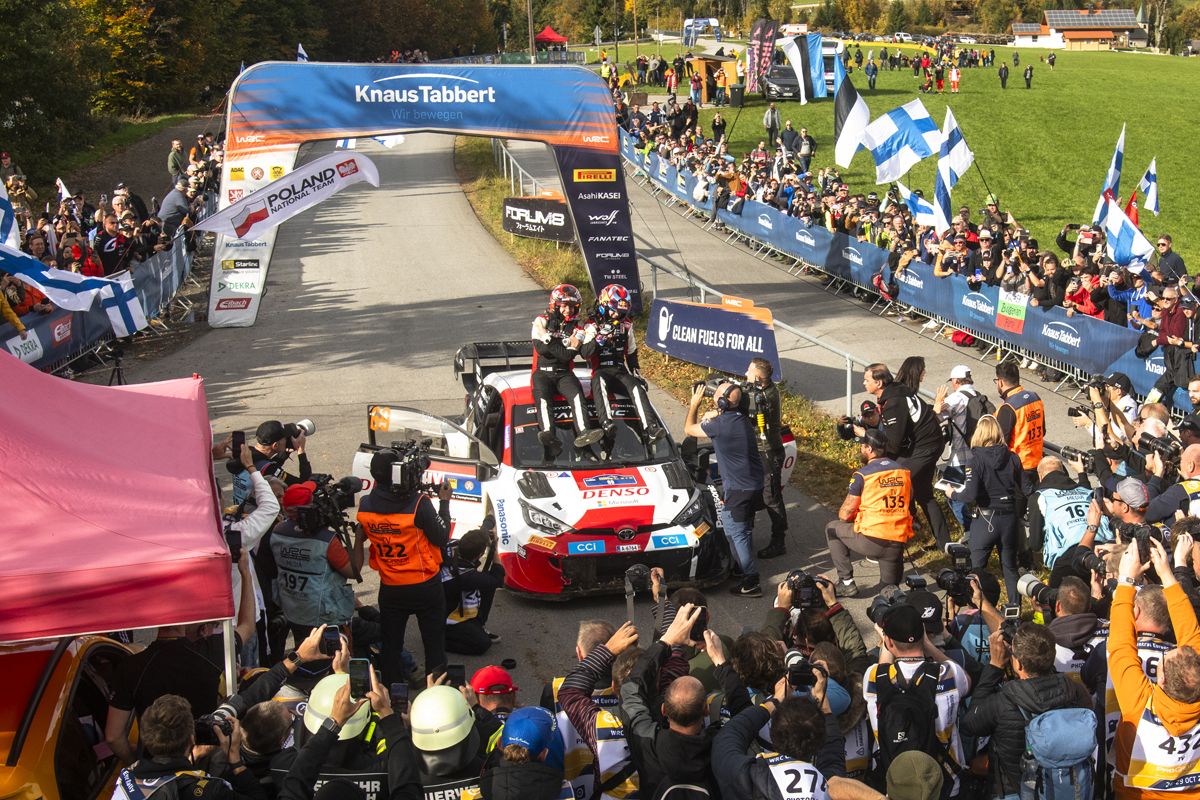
[{"x": 611, "y": 498}]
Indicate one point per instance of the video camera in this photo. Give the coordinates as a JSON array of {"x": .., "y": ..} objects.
[
  {"x": 1012, "y": 621},
  {"x": 806, "y": 591},
  {"x": 410, "y": 466},
  {"x": 714, "y": 382},
  {"x": 327, "y": 509},
  {"x": 955, "y": 581}
]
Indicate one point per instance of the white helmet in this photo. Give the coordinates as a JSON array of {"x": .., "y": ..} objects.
[
  {"x": 440, "y": 719},
  {"x": 320, "y": 704}
]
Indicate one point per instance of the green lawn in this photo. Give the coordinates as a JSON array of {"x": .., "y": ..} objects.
[{"x": 1044, "y": 152}]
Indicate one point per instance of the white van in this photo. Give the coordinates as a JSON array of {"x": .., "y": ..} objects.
[
  {"x": 831, "y": 49},
  {"x": 902, "y": 37}
]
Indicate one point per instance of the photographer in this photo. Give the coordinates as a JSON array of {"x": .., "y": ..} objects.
[
  {"x": 313, "y": 565},
  {"x": 407, "y": 536},
  {"x": 1148, "y": 751},
  {"x": 470, "y": 579},
  {"x": 913, "y": 437},
  {"x": 874, "y": 520},
  {"x": 1114, "y": 408},
  {"x": 1182, "y": 497},
  {"x": 765, "y": 411},
  {"x": 734, "y": 440},
  {"x": 802, "y": 621},
  {"x": 994, "y": 484},
  {"x": 272, "y": 448},
  {"x": 974, "y": 619},
  {"x": 1001, "y": 709},
  {"x": 1058, "y": 510},
  {"x": 167, "y": 732}
]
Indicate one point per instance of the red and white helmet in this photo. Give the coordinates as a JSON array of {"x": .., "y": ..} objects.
[{"x": 565, "y": 295}]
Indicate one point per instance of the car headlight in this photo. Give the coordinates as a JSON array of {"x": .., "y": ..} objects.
[
  {"x": 692, "y": 514},
  {"x": 536, "y": 518}
]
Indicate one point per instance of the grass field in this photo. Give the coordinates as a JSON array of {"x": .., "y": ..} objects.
[{"x": 1044, "y": 151}]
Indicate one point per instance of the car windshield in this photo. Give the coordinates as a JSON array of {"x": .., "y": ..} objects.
[{"x": 628, "y": 447}]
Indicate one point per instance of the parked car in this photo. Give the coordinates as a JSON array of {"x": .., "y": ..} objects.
[
  {"x": 902, "y": 37},
  {"x": 52, "y": 719}
]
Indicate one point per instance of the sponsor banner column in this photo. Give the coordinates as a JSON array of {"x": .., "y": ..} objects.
[{"x": 239, "y": 271}]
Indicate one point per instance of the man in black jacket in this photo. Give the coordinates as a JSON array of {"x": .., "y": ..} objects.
[
  {"x": 997, "y": 706},
  {"x": 677, "y": 750},
  {"x": 914, "y": 440}
]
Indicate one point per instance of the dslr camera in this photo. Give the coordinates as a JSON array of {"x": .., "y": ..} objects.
[
  {"x": 845, "y": 427},
  {"x": 1084, "y": 456},
  {"x": 204, "y": 726},
  {"x": 800, "y": 671},
  {"x": 806, "y": 591},
  {"x": 955, "y": 581},
  {"x": 1136, "y": 533},
  {"x": 1012, "y": 621},
  {"x": 1029, "y": 586},
  {"x": 881, "y": 606}
]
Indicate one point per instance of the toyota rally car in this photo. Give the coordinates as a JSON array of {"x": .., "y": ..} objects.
[{"x": 568, "y": 524}]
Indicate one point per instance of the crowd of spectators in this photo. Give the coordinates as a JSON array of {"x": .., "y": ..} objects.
[{"x": 113, "y": 234}]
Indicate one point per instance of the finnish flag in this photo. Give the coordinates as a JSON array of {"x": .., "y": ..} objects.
[
  {"x": 1149, "y": 186},
  {"x": 1126, "y": 245},
  {"x": 9, "y": 235},
  {"x": 922, "y": 210},
  {"x": 300, "y": 54},
  {"x": 900, "y": 139},
  {"x": 121, "y": 303},
  {"x": 954, "y": 159}
]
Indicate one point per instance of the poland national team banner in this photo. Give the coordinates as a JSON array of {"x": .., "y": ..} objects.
[
  {"x": 274, "y": 107},
  {"x": 315, "y": 182}
]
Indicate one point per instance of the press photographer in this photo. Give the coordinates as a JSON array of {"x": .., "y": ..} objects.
[
  {"x": 407, "y": 536},
  {"x": 763, "y": 396},
  {"x": 874, "y": 520},
  {"x": 1182, "y": 497},
  {"x": 470, "y": 579},
  {"x": 274, "y": 444},
  {"x": 913, "y": 437},
  {"x": 1058, "y": 508},
  {"x": 735, "y": 442},
  {"x": 312, "y": 557}
]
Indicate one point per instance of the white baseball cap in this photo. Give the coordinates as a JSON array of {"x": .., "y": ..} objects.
[{"x": 960, "y": 372}]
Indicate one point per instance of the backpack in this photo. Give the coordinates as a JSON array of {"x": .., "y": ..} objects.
[
  {"x": 908, "y": 715},
  {"x": 962, "y": 339},
  {"x": 1057, "y": 764},
  {"x": 978, "y": 406}
]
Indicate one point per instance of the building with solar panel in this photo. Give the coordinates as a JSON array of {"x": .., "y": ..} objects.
[{"x": 1081, "y": 29}]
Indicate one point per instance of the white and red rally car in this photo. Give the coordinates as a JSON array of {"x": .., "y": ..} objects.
[{"x": 572, "y": 524}]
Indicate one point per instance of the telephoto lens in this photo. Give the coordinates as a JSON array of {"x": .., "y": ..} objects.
[{"x": 1029, "y": 586}]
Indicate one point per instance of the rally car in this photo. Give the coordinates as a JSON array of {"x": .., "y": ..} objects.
[{"x": 568, "y": 524}]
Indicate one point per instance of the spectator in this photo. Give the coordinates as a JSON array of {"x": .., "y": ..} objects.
[
  {"x": 23, "y": 297},
  {"x": 447, "y": 741},
  {"x": 527, "y": 771},
  {"x": 994, "y": 481},
  {"x": 185, "y": 660},
  {"x": 676, "y": 750},
  {"x": 22, "y": 196},
  {"x": 174, "y": 207},
  {"x": 470, "y": 580},
  {"x": 167, "y": 733},
  {"x": 874, "y": 520},
  {"x": 1175, "y": 701},
  {"x": 8, "y": 167},
  {"x": 11, "y": 316},
  {"x": 1170, "y": 265},
  {"x": 495, "y": 697},
  {"x": 772, "y": 123},
  {"x": 199, "y": 152},
  {"x": 176, "y": 161},
  {"x": 1001, "y": 709},
  {"x": 313, "y": 566}
]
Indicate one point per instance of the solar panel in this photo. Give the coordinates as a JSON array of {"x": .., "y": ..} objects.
[
  {"x": 1066, "y": 19},
  {"x": 1026, "y": 27}
]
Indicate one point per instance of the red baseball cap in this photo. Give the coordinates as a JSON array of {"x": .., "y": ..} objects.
[
  {"x": 492, "y": 680},
  {"x": 299, "y": 494}
]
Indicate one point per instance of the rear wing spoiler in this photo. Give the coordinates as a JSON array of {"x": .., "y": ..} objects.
[{"x": 474, "y": 362}]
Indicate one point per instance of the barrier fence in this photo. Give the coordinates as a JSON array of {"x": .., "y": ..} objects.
[
  {"x": 53, "y": 341},
  {"x": 518, "y": 178},
  {"x": 1077, "y": 346}
]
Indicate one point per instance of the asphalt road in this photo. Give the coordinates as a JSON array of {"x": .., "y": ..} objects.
[{"x": 368, "y": 298}]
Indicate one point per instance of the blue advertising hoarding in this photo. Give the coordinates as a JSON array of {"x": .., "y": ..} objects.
[{"x": 724, "y": 337}]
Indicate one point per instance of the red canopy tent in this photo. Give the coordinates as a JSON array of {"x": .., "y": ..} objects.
[
  {"x": 110, "y": 511},
  {"x": 549, "y": 36}
]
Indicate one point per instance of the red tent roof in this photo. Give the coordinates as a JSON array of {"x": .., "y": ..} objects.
[
  {"x": 548, "y": 35},
  {"x": 109, "y": 507}
]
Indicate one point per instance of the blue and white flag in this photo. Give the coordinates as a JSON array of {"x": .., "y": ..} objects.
[
  {"x": 922, "y": 210},
  {"x": 1149, "y": 186},
  {"x": 804, "y": 54},
  {"x": 850, "y": 117},
  {"x": 63, "y": 191},
  {"x": 121, "y": 303},
  {"x": 74, "y": 292},
  {"x": 9, "y": 235},
  {"x": 300, "y": 54},
  {"x": 1112, "y": 181},
  {"x": 954, "y": 159},
  {"x": 901, "y": 138},
  {"x": 1126, "y": 245}
]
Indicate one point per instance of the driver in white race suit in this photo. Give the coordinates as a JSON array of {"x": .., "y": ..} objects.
[
  {"x": 557, "y": 335},
  {"x": 610, "y": 345}
]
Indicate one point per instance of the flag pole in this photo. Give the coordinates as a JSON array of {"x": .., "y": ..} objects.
[{"x": 987, "y": 188}]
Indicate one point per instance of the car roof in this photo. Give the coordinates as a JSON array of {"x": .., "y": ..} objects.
[{"x": 519, "y": 381}]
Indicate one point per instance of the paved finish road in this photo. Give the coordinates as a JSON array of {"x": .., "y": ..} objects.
[{"x": 368, "y": 297}]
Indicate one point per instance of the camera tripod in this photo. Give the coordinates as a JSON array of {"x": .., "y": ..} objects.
[{"x": 117, "y": 376}]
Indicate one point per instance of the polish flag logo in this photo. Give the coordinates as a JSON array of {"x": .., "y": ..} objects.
[{"x": 250, "y": 217}]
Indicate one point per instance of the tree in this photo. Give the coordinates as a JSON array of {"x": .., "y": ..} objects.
[
  {"x": 897, "y": 17},
  {"x": 860, "y": 14},
  {"x": 924, "y": 15},
  {"x": 996, "y": 15}
]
